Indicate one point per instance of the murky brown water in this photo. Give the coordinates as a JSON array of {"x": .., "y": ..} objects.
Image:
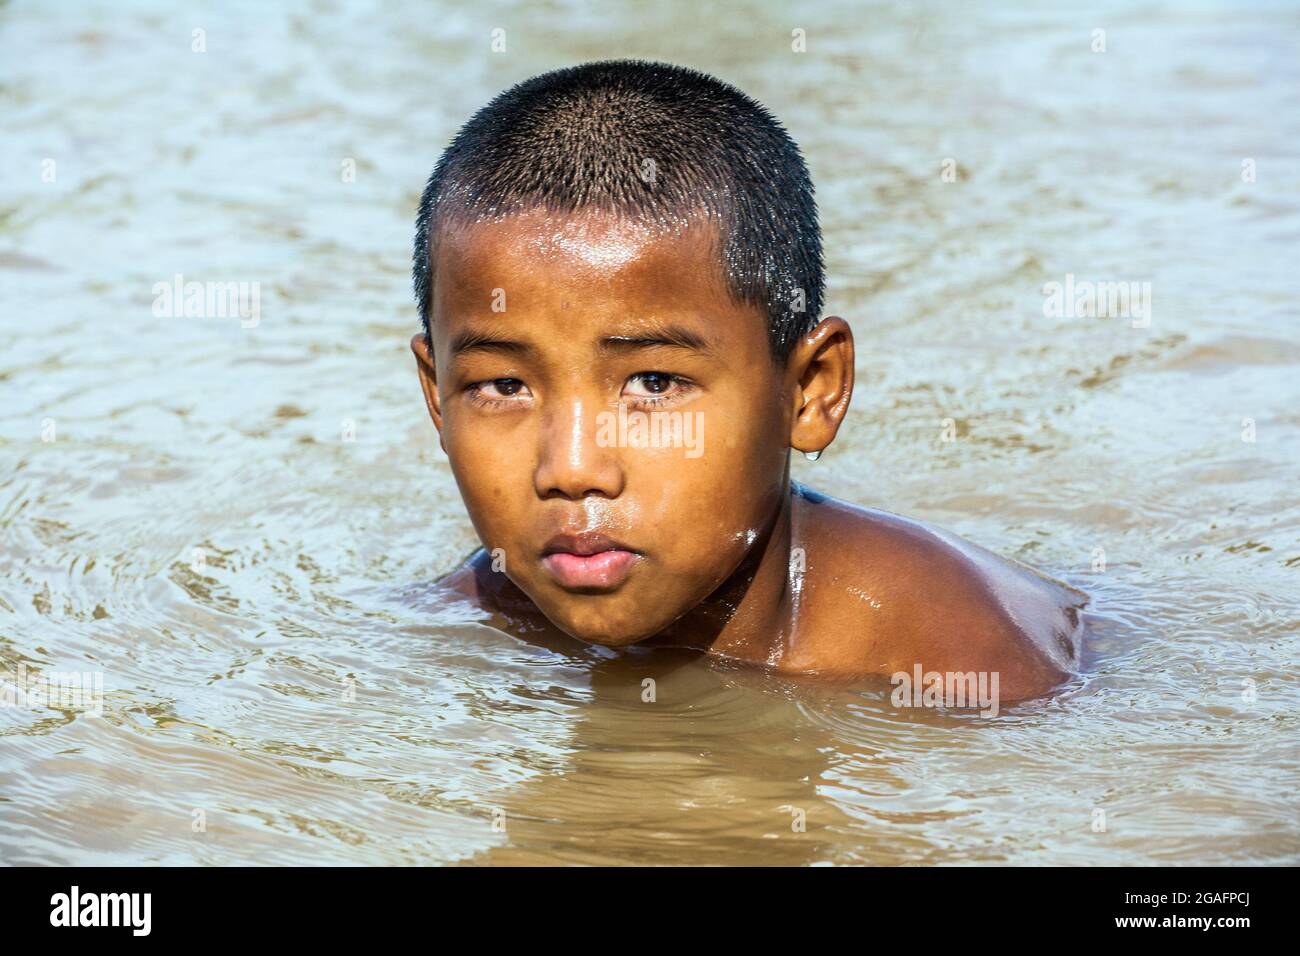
[{"x": 225, "y": 671}]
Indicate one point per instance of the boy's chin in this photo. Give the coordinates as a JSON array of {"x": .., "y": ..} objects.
[
  {"x": 611, "y": 640},
  {"x": 593, "y": 627}
]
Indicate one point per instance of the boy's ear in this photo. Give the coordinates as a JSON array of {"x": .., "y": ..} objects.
[
  {"x": 428, "y": 380},
  {"x": 821, "y": 369}
]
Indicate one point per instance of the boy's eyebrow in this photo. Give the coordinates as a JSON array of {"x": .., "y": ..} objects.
[
  {"x": 661, "y": 336},
  {"x": 469, "y": 341}
]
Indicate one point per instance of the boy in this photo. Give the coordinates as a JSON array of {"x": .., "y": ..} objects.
[{"x": 619, "y": 273}]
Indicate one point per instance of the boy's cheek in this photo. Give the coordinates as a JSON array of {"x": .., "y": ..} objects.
[
  {"x": 493, "y": 505},
  {"x": 479, "y": 456}
]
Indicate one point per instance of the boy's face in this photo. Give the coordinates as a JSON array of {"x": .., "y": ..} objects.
[{"x": 542, "y": 328}]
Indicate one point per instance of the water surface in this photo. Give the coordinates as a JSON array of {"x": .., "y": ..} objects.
[{"x": 237, "y": 527}]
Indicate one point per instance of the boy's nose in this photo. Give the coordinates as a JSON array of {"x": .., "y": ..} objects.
[{"x": 571, "y": 463}]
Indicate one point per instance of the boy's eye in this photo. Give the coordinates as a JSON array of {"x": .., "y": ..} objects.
[
  {"x": 651, "y": 385},
  {"x": 500, "y": 388}
]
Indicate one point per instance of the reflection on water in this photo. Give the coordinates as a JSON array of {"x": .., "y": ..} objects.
[{"x": 237, "y": 526}]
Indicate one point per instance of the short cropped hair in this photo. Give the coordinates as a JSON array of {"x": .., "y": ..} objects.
[{"x": 655, "y": 142}]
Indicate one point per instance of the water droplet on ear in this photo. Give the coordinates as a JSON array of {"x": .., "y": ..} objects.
[{"x": 813, "y": 455}]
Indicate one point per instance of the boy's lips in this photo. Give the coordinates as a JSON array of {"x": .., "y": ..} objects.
[{"x": 588, "y": 562}]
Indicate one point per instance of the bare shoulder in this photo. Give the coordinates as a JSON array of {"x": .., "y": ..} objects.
[
  {"x": 467, "y": 580},
  {"x": 887, "y": 593}
]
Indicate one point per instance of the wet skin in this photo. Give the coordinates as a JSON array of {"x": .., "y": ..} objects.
[{"x": 542, "y": 323}]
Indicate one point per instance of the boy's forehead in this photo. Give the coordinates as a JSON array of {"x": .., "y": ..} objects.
[{"x": 577, "y": 254}]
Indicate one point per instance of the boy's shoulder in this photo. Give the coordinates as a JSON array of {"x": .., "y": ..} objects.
[{"x": 883, "y": 593}]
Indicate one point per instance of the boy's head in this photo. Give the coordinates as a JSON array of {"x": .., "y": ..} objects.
[{"x": 618, "y": 268}]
